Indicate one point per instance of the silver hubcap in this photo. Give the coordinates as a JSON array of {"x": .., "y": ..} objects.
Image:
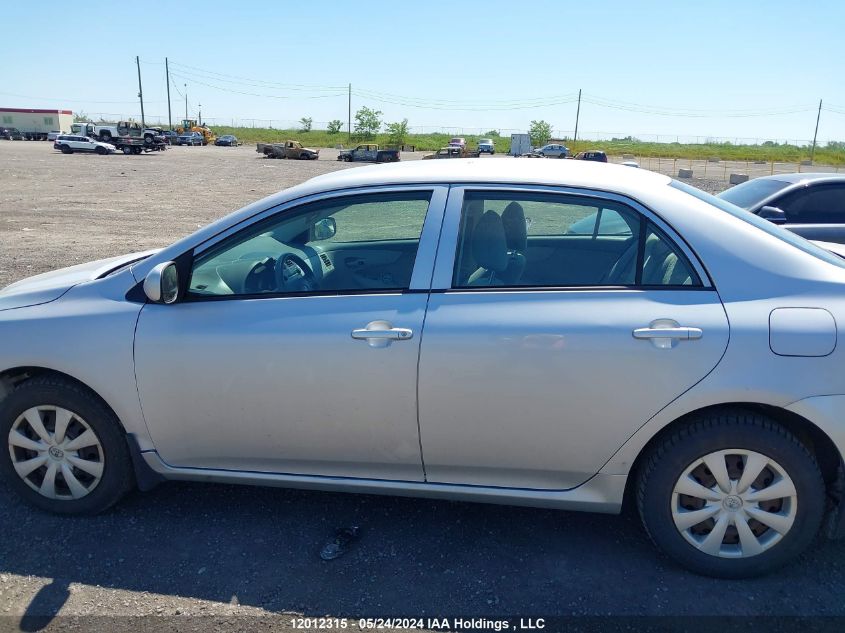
[
  {"x": 56, "y": 453},
  {"x": 734, "y": 503}
]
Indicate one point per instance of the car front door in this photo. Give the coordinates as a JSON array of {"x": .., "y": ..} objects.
[
  {"x": 816, "y": 212},
  {"x": 545, "y": 349},
  {"x": 294, "y": 348}
]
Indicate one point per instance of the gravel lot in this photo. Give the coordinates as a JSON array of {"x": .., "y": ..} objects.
[{"x": 225, "y": 551}]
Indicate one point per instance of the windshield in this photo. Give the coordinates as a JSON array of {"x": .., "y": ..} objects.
[
  {"x": 764, "y": 225},
  {"x": 748, "y": 194}
]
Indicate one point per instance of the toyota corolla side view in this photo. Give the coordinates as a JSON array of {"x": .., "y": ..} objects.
[{"x": 439, "y": 331}]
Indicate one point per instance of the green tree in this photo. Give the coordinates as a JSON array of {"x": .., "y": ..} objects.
[
  {"x": 334, "y": 126},
  {"x": 367, "y": 123},
  {"x": 540, "y": 132},
  {"x": 397, "y": 131},
  {"x": 80, "y": 117},
  {"x": 305, "y": 123},
  {"x": 491, "y": 134}
]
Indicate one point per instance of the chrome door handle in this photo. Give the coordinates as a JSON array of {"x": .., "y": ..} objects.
[
  {"x": 683, "y": 333},
  {"x": 382, "y": 333},
  {"x": 665, "y": 333}
]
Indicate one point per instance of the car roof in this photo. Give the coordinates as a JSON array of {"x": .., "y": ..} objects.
[
  {"x": 804, "y": 177},
  {"x": 510, "y": 170}
]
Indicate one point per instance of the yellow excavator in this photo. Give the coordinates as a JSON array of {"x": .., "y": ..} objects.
[{"x": 190, "y": 125}]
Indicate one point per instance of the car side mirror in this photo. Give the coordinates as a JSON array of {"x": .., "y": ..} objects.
[
  {"x": 772, "y": 214},
  {"x": 325, "y": 229},
  {"x": 161, "y": 285}
]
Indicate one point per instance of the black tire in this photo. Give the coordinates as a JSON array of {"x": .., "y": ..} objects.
[
  {"x": 720, "y": 430},
  {"x": 66, "y": 149},
  {"x": 118, "y": 476},
  {"x": 136, "y": 150},
  {"x": 148, "y": 139},
  {"x": 105, "y": 137},
  {"x": 101, "y": 150},
  {"x": 127, "y": 149}
]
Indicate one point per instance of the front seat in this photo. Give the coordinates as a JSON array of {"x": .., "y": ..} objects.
[
  {"x": 490, "y": 250},
  {"x": 516, "y": 237}
]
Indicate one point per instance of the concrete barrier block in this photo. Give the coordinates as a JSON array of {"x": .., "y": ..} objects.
[
  {"x": 685, "y": 173},
  {"x": 736, "y": 179}
]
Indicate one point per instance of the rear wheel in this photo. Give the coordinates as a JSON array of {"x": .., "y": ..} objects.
[
  {"x": 66, "y": 450},
  {"x": 136, "y": 150},
  {"x": 66, "y": 149},
  {"x": 127, "y": 149},
  {"x": 732, "y": 495},
  {"x": 101, "y": 150}
]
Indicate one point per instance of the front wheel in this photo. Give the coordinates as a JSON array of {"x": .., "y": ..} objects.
[
  {"x": 101, "y": 151},
  {"x": 66, "y": 450},
  {"x": 127, "y": 149},
  {"x": 732, "y": 495}
]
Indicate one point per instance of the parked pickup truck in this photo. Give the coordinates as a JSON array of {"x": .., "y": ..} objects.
[
  {"x": 288, "y": 149},
  {"x": 369, "y": 152}
]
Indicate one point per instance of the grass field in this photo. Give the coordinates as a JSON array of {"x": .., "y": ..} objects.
[{"x": 431, "y": 142}]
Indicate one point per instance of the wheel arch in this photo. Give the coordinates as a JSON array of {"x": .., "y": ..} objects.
[
  {"x": 817, "y": 441},
  {"x": 11, "y": 378}
]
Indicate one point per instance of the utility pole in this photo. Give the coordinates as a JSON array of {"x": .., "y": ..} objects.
[
  {"x": 169, "y": 116},
  {"x": 816, "y": 133},
  {"x": 577, "y": 116},
  {"x": 186, "y": 102},
  {"x": 349, "y": 115},
  {"x": 199, "y": 108},
  {"x": 140, "y": 91}
]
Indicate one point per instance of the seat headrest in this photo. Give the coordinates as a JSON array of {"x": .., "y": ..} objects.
[
  {"x": 516, "y": 231},
  {"x": 489, "y": 246}
]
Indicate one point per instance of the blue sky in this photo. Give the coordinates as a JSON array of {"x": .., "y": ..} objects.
[{"x": 471, "y": 64}]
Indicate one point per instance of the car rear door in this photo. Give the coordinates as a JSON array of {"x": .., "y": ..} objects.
[
  {"x": 535, "y": 380},
  {"x": 318, "y": 380}
]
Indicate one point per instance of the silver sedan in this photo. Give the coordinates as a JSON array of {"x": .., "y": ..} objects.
[{"x": 564, "y": 336}]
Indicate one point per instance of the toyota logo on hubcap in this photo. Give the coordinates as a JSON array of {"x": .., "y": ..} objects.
[
  {"x": 732, "y": 502},
  {"x": 56, "y": 453}
]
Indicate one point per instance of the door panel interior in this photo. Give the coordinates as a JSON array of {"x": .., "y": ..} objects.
[
  {"x": 572, "y": 260},
  {"x": 372, "y": 264}
]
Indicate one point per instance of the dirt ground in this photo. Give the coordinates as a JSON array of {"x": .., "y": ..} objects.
[
  {"x": 57, "y": 210},
  {"x": 227, "y": 552}
]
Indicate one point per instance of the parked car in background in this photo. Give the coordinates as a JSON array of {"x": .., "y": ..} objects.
[
  {"x": 190, "y": 138},
  {"x": 171, "y": 137},
  {"x": 553, "y": 150},
  {"x": 629, "y": 163},
  {"x": 70, "y": 143},
  {"x": 53, "y": 135},
  {"x": 458, "y": 141},
  {"x": 11, "y": 134},
  {"x": 369, "y": 152},
  {"x": 811, "y": 205},
  {"x": 228, "y": 140},
  {"x": 451, "y": 151},
  {"x": 486, "y": 146},
  {"x": 595, "y": 155},
  {"x": 695, "y": 372}
]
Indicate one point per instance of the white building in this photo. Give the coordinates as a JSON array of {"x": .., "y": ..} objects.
[{"x": 34, "y": 124}]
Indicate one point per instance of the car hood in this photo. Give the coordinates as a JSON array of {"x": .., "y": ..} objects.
[{"x": 50, "y": 286}]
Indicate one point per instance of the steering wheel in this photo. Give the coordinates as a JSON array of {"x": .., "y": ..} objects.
[
  {"x": 294, "y": 275},
  {"x": 261, "y": 277}
]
